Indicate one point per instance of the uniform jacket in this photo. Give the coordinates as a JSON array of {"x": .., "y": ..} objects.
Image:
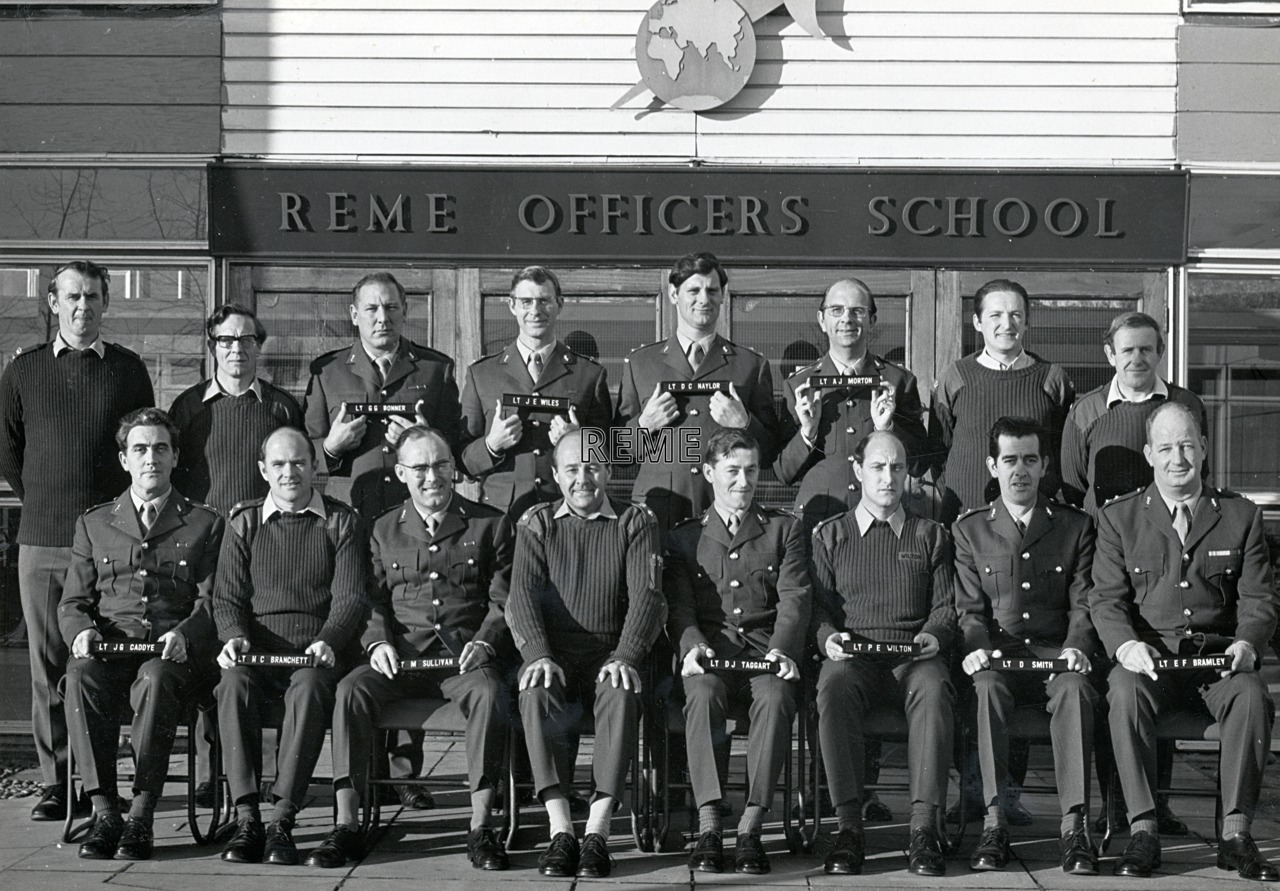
[
  {"x": 521, "y": 476},
  {"x": 676, "y": 490},
  {"x": 1029, "y": 590},
  {"x": 825, "y": 469},
  {"x": 434, "y": 594},
  {"x": 141, "y": 587},
  {"x": 364, "y": 477},
  {"x": 750, "y": 591},
  {"x": 1149, "y": 586}
]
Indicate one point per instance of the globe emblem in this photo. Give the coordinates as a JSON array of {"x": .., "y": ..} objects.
[{"x": 695, "y": 54}]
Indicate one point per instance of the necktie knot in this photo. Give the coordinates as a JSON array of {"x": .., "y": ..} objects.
[
  {"x": 535, "y": 367},
  {"x": 1182, "y": 520},
  {"x": 734, "y": 523},
  {"x": 431, "y": 525},
  {"x": 1022, "y": 526},
  {"x": 696, "y": 355},
  {"x": 384, "y": 367},
  {"x": 148, "y": 515}
]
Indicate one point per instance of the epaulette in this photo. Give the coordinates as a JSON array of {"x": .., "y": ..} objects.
[
  {"x": 487, "y": 356},
  {"x": 699, "y": 521},
  {"x": 973, "y": 512},
  {"x": 647, "y": 511},
  {"x": 241, "y": 506},
  {"x": 582, "y": 356},
  {"x": 822, "y": 523},
  {"x": 201, "y": 505},
  {"x": 27, "y": 351},
  {"x": 1062, "y": 505},
  {"x": 418, "y": 351},
  {"x": 743, "y": 346},
  {"x": 645, "y": 346},
  {"x": 527, "y": 517},
  {"x": 800, "y": 371},
  {"x": 783, "y": 511},
  {"x": 97, "y": 506},
  {"x": 123, "y": 349}
]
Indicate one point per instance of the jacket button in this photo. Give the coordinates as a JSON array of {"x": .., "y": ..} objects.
[
  {"x": 386, "y": 450},
  {"x": 987, "y": 570},
  {"x": 142, "y": 572},
  {"x": 434, "y": 548},
  {"x": 395, "y": 565},
  {"x": 1026, "y": 615},
  {"x": 433, "y": 575},
  {"x": 536, "y": 423},
  {"x": 384, "y": 392},
  {"x": 1184, "y": 584},
  {"x": 1027, "y": 641},
  {"x": 850, "y": 429},
  {"x": 735, "y": 584},
  {"x": 537, "y": 453},
  {"x": 1186, "y": 558},
  {"x": 1230, "y": 571},
  {"x": 853, "y": 487},
  {"x": 1189, "y": 633},
  {"x": 693, "y": 470},
  {"x": 1026, "y": 586},
  {"x": 693, "y": 412},
  {"x": 849, "y": 404},
  {"x": 1026, "y": 555},
  {"x": 1057, "y": 569},
  {"x": 437, "y": 626},
  {"x": 1187, "y": 612},
  {"x": 471, "y": 561},
  {"x": 144, "y": 547},
  {"x": 737, "y": 610},
  {"x": 435, "y": 602},
  {"x": 386, "y": 479},
  {"x": 733, "y": 556},
  {"x": 537, "y": 481}
]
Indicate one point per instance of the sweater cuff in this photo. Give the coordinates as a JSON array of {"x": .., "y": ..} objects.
[
  {"x": 628, "y": 653},
  {"x": 535, "y": 650}
]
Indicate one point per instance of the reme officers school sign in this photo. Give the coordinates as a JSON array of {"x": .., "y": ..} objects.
[{"x": 784, "y": 216}]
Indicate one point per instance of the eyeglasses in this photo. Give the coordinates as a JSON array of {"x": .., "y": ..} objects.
[
  {"x": 226, "y": 341},
  {"x": 837, "y": 311},
  {"x": 440, "y": 468},
  {"x": 531, "y": 302}
]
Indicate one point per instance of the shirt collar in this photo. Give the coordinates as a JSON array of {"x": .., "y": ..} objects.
[
  {"x": 606, "y": 510},
  {"x": 314, "y": 506},
  {"x": 395, "y": 354},
  {"x": 1115, "y": 394},
  {"x": 1192, "y": 502},
  {"x": 527, "y": 354},
  {"x": 857, "y": 367},
  {"x": 159, "y": 501},
  {"x": 724, "y": 516},
  {"x": 60, "y": 346},
  {"x": 215, "y": 389},
  {"x": 985, "y": 359},
  {"x": 686, "y": 343},
  {"x": 1020, "y": 513},
  {"x": 437, "y": 515},
  {"x": 864, "y": 518}
]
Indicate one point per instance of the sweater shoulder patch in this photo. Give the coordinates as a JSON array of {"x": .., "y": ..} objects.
[
  {"x": 27, "y": 351},
  {"x": 526, "y": 519},
  {"x": 128, "y": 352}
]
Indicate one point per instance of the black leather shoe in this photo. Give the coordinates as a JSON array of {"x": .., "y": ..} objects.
[
  {"x": 1241, "y": 853},
  {"x": 749, "y": 857},
  {"x": 1167, "y": 822},
  {"x": 342, "y": 844},
  {"x": 1140, "y": 856},
  {"x": 877, "y": 812},
  {"x": 594, "y": 862},
  {"x": 204, "y": 794},
  {"x": 1079, "y": 856},
  {"x": 415, "y": 798},
  {"x": 104, "y": 838},
  {"x": 924, "y": 855},
  {"x": 137, "y": 841},
  {"x": 560, "y": 859},
  {"x": 708, "y": 853},
  {"x": 280, "y": 849},
  {"x": 52, "y": 804},
  {"x": 485, "y": 850},
  {"x": 848, "y": 854},
  {"x": 247, "y": 844},
  {"x": 992, "y": 851}
]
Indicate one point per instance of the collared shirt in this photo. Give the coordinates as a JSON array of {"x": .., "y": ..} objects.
[
  {"x": 314, "y": 506},
  {"x": 60, "y": 346},
  {"x": 1020, "y": 513},
  {"x": 1022, "y": 360},
  {"x": 606, "y": 510},
  {"x": 1192, "y": 502},
  {"x": 1115, "y": 394},
  {"x": 687, "y": 343},
  {"x": 215, "y": 389},
  {"x": 159, "y": 501},
  {"x": 391, "y": 356},
  {"x": 527, "y": 353},
  {"x": 865, "y": 518},
  {"x": 856, "y": 367},
  {"x": 438, "y": 515},
  {"x": 724, "y": 516}
]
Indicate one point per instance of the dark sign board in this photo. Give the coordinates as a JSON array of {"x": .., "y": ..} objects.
[
  {"x": 1234, "y": 213},
  {"x": 767, "y": 215}
]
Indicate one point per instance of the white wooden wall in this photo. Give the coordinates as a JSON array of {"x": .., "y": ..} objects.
[{"x": 920, "y": 82}]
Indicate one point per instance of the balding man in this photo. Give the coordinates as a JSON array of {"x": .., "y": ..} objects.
[{"x": 1183, "y": 569}]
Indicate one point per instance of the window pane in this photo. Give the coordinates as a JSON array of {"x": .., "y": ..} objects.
[
  {"x": 1234, "y": 366},
  {"x": 159, "y": 313}
]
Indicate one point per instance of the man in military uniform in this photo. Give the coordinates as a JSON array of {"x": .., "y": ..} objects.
[
  {"x": 825, "y": 423},
  {"x": 1183, "y": 569},
  {"x": 382, "y": 367},
  {"x": 738, "y": 586},
  {"x": 141, "y": 570},
  {"x": 441, "y": 570},
  {"x": 508, "y": 448},
  {"x": 694, "y": 355},
  {"x": 1023, "y": 568}
]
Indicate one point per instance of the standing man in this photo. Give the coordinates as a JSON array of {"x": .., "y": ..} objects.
[
  {"x": 825, "y": 423},
  {"x": 884, "y": 575},
  {"x": 441, "y": 570},
  {"x": 695, "y": 354},
  {"x": 291, "y": 578},
  {"x": 60, "y": 404},
  {"x": 141, "y": 570},
  {"x": 1023, "y": 567},
  {"x": 383, "y": 367},
  {"x": 585, "y": 609},
  {"x": 1001, "y": 380},
  {"x": 738, "y": 584},
  {"x": 1183, "y": 569},
  {"x": 509, "y": 448}
]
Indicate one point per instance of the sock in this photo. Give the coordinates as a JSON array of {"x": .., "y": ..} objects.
[
  {"x": 1144, "y": 822},
  {"x": 601, "y": 816},
  {"x": 993, "y": 819},
  {"x": 347, "y": 800},
  {"x": 143, "y": 807},
  {"x": 285, "y": 811},
  {"x": 1072, "y": 821},
  {"x": 923, "y": 815},
  {"x": 558, "y": 813},
  {"x": 849, "y": 815},
  {"x": 752, "y": 819},
  {"x": 709, "y": 817},
  {"x": 1235, "y": 822},
  {"x": 247, "y": 809},
  {"x": 104, "y": 804},
  {"x": 481, "y": 807}
]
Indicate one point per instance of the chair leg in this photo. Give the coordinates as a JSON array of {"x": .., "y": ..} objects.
[{"x": 1110, "y": 805}]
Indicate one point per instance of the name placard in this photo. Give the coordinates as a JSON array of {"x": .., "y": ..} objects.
[
  {"x": 125, "y": 648},
  {"x": 428, "y": 664},
  {"x": 1005, "y": 663},
  {"x": 878, "y": 648},
  {"x": 277, "y": 660},
  {"x": 558, "y": 404},
  {"x": 1192, "y": 663},
  {"x": 753, "y": 666},
  {"x": 381, "y": 408},
  {"x": 856, "y": 383},
  {"x": 694, "y": 388}
]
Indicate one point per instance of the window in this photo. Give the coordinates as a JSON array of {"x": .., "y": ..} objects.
[{"x": 1230, "y": 7}]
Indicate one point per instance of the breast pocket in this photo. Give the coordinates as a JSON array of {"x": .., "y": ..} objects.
[
  {"x": 764, "y": 580},
  {"x": 1145, "y": 572},
  {"x": 464, "y": 569},
  {"x": 1223, "y": 572},
  {"x": 996, "y": 572},
  {"x": 401, "y": 568}
]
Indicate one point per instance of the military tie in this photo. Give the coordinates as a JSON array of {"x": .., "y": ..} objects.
[
  {"x": 1022, "y": 527},
  {"x": 148, "y": 515},
  {"x": 1182, "y": 521},
  {"x": 384, "y": 368},
  {"x": 734, "y": 522},
  {"x": 431, "y": 526},
  {"x": 535, "y": 367},
  {"x": 696, "y": 355}
]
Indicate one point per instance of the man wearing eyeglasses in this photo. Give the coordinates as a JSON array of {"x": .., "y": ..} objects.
[
  {"x": 441, "y": 569},
  {"x": 382, "y": 367},
  {"x": 59, "y": 406},
  {"x": 825, "y": 423},
  {"x": 509, "y": 448}
]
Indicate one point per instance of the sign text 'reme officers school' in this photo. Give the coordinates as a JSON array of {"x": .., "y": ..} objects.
[{"x": 460, "y": 215}]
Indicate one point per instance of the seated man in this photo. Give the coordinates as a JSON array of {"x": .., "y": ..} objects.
[
  {"x": 441, "y": 569},
  {"x": 1022, "y": 567},
  {"x": 884, "y": 575},
  {"x": 141, "y": 570},
  {"x": 737, "y": 581},
  {"x": 584, "y": 611},
  {"x": 1183, "y": 569},
  {"x": 291, "y": 578}
]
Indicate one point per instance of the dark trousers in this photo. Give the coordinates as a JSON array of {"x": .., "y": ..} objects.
[
  {"x": 242, "y": 692},
  {"x": 707, "y": 700},
  {"x": 480, "y": 694},
  {"x": 1239, "y": 703},
  {"x": 41, "y": 572},
  {"x": 550, "y": 716},
  {"x": 1070, "y": 699},
  {"x": 97, "y": 690},
  {"x": 849, "y": 690}
]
